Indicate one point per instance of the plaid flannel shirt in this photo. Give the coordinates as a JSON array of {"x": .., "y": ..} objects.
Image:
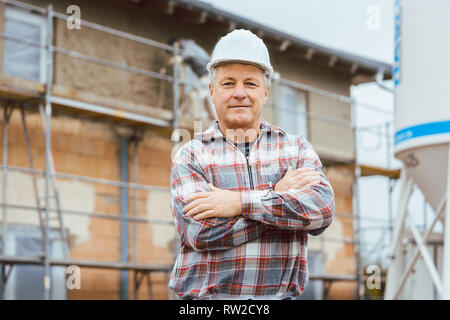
[{"x": 262, "y": 251}]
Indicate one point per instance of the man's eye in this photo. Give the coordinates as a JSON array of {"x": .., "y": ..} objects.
[
  {"x": 251, "y": 84},
  {"x": 228, "y": 84}
]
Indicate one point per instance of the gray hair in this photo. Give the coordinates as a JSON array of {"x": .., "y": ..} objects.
[{"x": 212, "y": 76}]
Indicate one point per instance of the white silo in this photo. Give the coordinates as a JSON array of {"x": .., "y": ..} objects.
[{"x": 422, "y": 141}]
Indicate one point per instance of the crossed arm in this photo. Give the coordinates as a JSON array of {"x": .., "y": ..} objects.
[
  {"x": 214, "y": 233},
  {"x": 209, "y": 218},
  {"x": 227, "y": 204}
]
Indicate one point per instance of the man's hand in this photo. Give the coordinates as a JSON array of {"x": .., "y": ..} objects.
[
  {"x": 214, "y": 203},
  {"x": 299, "y": 178}
]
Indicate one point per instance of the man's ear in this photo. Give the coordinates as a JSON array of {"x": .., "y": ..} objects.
[
  {"x": 211, "y": 92},
  {"x": 266, "y": 94}
]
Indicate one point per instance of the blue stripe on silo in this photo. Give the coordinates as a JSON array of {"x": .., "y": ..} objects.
[{"x": 421, "y": 130}]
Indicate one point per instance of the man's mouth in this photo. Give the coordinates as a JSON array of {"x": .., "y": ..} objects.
[{"x": 239, "y": 106}]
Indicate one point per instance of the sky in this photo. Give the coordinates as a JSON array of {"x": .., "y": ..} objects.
[
  {"x": 364, "y": 28},
  {"x": 340, "y": 24}
]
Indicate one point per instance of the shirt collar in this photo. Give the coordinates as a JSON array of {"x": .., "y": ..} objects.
[{"x": 213, "y": 131}]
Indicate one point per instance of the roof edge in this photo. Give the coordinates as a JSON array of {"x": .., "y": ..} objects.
[{"x": 368, "y": 63}]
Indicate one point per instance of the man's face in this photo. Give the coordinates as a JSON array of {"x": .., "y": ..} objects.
[{"x": 238, "y": 95}]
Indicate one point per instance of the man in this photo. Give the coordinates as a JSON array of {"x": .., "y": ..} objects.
[{"x": 245, "y": 194}]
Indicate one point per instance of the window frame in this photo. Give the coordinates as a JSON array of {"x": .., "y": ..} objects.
[
  {"x": 301, "y": 115},
  {"x": 30, "y": 18},
  {"x": 57, "y": 274}
]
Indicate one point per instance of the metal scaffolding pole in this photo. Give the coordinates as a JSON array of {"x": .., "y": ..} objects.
[
  {"x": 33, "y": 174},
  {"x": 117, "y": 33},
  {"x": 75, "y": 177},
  {"x": 356, "y": 205},
  {"x": 176, "y": 89},
  {"x": 47, "y": 283},
  {"x": 56, "y": 195},
  {"x": 391, "y": 181},
  {"x": 48, "y": 113},
  {"x": 446, "y": 253},
  {"x": 136, "y": 214},
  {"x": 6, "y": 116},
  {"x": 137, "y": 140},
  {"x": 124, "y": 224},
  {"x": 148, "y": 267},
  {"x": 92, "y": 214},
  {"x": 136, "y": 201}
]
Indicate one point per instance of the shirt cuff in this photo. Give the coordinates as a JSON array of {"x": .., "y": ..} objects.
[{"x": 251, "y": 202}]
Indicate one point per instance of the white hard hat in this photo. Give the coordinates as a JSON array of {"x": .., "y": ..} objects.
[{"x": 241, "y": 46}]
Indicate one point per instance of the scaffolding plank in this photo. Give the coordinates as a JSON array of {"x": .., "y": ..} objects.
[
  {"x": 367, "y": 170},
  {"x": 114, "y": 103},
  {"x": 18, "y": 88},
  {"x": 83, "y": 101},
  {"x": 333, "y": 277}
]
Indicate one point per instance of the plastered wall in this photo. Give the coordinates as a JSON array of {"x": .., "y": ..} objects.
[{"x": 88, "y": 148}]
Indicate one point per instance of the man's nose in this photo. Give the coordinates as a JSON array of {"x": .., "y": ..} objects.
[{"x": 239, "y": 93}]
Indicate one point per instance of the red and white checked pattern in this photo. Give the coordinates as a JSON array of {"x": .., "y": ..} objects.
[{"x": 263, "y": 251}]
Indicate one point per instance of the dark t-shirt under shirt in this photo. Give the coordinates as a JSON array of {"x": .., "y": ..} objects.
[{"x": 245, "y": 147}]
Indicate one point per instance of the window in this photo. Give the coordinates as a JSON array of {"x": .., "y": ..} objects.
[
  {"x": 20, "y": 59},
  {"x": 26, "y": 281},
  {"x": 291, "y": 110}
]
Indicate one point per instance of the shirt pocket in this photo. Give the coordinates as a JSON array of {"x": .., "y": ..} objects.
[{"x": 271, "y": 173}]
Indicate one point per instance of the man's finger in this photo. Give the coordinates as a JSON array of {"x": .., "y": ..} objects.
[
  {"x": 310, "y": 179},
  {"x": 197, "y": 210},
  {"x": 308, "y": 182},
  {"x": 306, "y": 179},
  {"x": 197, "y": 195},
  {"x": 191, "y": 205},
  {"x": 299, "y": 174},
  {"x": 315, "y": 183},
  {"x": 212, "y": 187},
  {"x": 204, "y": 215},
  {"x": 303, "y": 179},
  {"x": 305, "y": 173},
  {"x": 303, "y": 170},
  {"x": 288, "y": 172}
]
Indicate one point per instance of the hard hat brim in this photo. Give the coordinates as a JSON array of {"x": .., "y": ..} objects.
[{"x": 220, "y": 62}]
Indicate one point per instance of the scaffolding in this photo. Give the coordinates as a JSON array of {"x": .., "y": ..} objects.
[
  {"x": 29, "y": 100},
  {"x": 33, "y": 100}
]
